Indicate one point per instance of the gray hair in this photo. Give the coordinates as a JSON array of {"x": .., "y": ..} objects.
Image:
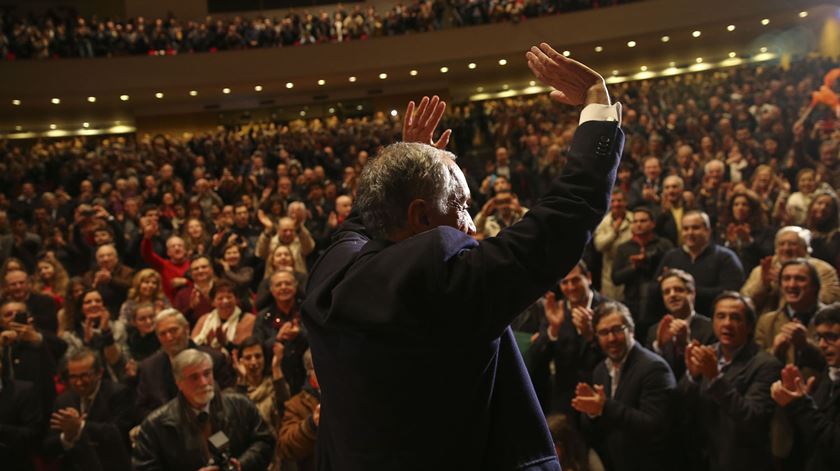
[
  {"x": 803, "y": 234},
  {"x": 401, "y": 173},
  {"x": 171, "y": 313},
  {"x": 187, "y": 358}
]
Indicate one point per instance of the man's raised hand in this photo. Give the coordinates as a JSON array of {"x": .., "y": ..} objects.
[
  {"x": 419, "y": 125},
  {"x": 574, "y": 83}
]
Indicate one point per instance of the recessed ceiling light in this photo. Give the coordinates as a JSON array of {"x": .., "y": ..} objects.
[
  {"x": 91, "y": 99},
  {"x": 672, "y": 64},
  {"x": 331, "y": 110},
  {"x": 505, "y": 86},
  {"x": 359, "y": 107},
  {"x": 55, "y": 101},
  {"x": 763, "y": 50},
  {"x": 351, "y": 79},
  {"x": 16, "y": 102},
  {"x": 53, "y": 126},
  {"x": 730, "y": 28},
  {"x": 471, "y": 65},
  {"x": 393, "y": 112},
  {"x": 258, "y": 88},
  {"x": 289, "y": 85},
  {"x": 567, "y": 53},
  {"x": 124, "y": 97},
  {"x": 599, "y": 48},
  {"x": 765, "y": 22},
  {"x": 665, "y": 39},
  {"x": 732, "y": 55},
  {"x": 158, "y": 95},
  {"x": 322, "y": 82},
  {"x": 479, "y": 89},
  {"x": 383, "y": 76},
  {"x": 444, "y": 69},
  {"x": 631, "y": 43},
  {"x": 803, "y": 14},
  {"x": 85, "y": 125},
  {"x": 18, "y": 128},
  {"x": 532, "y": 83},
  {"x": 502, "y": 61},
  {"x": 699, "y": 60},
  {"x": 302, "y": 113},
  {"x": 226, "y": 90},
  {"x": 117, "y": 123},
  {"x": 193, "y": 92},
  {"x": 412, "y": 72},
  {"x": 615, "y": 72},
  {"x": 696, "y": 33},
  {"x": 643, "y": 68}
]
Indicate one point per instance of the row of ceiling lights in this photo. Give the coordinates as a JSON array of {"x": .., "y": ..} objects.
[{"x": 414, "y": 72}]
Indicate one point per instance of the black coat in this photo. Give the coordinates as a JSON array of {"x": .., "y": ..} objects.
[
  {"x": 700, "y": 329},
  {"x": 170, "y": 438},
  {"x": 417, "y": 365},
  {"x": 103, "y": 443},
  {"x": 816, "y": 421},
  {"x": 633, "y": 430},
  {"x": 20, "y": 424},
  {"x": 732, "y": 414}
]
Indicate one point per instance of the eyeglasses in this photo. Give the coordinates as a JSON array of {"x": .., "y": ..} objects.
[
  {"x": 829, "y": 337},
  {"x": 81, "y": 376},
  {"x": 604, "y": 333}
]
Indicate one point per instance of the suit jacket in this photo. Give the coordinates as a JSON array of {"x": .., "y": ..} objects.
[
  {"x": 809, "y": 359},
  {"x": 632, "y": 431},
  {"x": 574, "y": 361},
  {"x": 20, "y": 424},
  {"x": 394, "y": 325},
  {"x": 103, "y": 443},
  {"x": 699, "y": 329},
  {"x": 732, "y": 414},
  {"x": 156, "y": 385},
  {"x": 816, "y": 420}
]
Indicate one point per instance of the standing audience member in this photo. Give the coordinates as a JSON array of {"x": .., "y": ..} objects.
[
  {"x": 172, "y": 268},
  {"x": 193, "y": 300},
  {"x": 613, "y": 231},
  {"x": 110, "y": 277}
]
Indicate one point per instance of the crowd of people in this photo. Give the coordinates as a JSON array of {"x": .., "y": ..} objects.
[
  {"x": 144, "y": 278},
  {"x": 65, "y": 34}
]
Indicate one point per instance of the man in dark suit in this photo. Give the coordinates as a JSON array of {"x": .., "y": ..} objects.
[
  {"x": 726, "y": 392},
  {"x": 423, "y": 305},
  {"x": 90, "y": 421},
  {"x": 156, "y": 385},
  {"x": 20, "y": 422},
  {"x": 670, "y": 336},
  {"x": 567, "y": 340},
  {"x": 815, "y": 411},
  {"x": 16, "y": 287},
  {"x": 628, "y": 412},
  {"x": 646, "y": 189}
]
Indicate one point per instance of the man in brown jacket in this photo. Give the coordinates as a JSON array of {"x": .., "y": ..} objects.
[{"x": 299, "y": 427}]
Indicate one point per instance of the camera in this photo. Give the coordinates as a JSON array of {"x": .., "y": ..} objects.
[
  {"x": 218, "y": 446},
  {"x": 22, "y": 317}
]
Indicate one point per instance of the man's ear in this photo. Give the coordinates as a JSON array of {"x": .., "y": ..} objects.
[{"x": 417, "y": 218}]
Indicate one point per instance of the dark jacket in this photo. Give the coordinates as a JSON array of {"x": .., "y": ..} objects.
[
  {"x": 715, "y": 269},
  {"x": 632, "y": 431},
  {"x": 171, "y": 439},
  {"x": 103, "y": 443},
  {"x": 816, "y": 420},
  {"x": 699, "y": 329},
  {"x": 639, "y": 283},
  {"x": 268, "y": 323},
  {"x": 393, "y": 325},
  {"x": 20, "y": 424},
  {"x": 731, "y": 415},
  {"x": 156, "y": 385}
]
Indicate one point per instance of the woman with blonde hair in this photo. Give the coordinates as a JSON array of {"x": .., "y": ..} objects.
[
  {"x": 146, "y": 286},
  {"x": 281, "y": 259},
  {"x": 51, "y": 279}
]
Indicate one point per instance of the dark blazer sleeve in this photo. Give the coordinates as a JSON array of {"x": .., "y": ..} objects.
[
  {"x": 817, "y": 429},
  {"x": 651, "y": 416},
  {"x": 754, "y": 406},
  {"x": 259, "y": 453}
]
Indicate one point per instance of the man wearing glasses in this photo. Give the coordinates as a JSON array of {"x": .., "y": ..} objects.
[{"x": 627, "y": 412}]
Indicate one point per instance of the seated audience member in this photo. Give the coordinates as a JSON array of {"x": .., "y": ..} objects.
[
  {"x": 571, "y": 448},
  {"x": 745, "y": 230},
  {"x": 21, "y": 418},
  {"x": 176, "y": 436},
  {"x": 196, "y": 239},
  {"x": 762, "y": 286},
  {"x": 565, "y": 339},
  {"x": 613, "y": 231},
  {"x": 145, "y": 287},
  {"x": 292, "y": 234},
  {"x": 281, "y": 259},
  {"x": 234, "y": 270},
  {"x": 628, "y": 410},
  {"x": 90, "y": 420},
  {"x": 171, "y": 269},
  {"x": 713, "y": 267},
  {"x": 788, "y": 332},
  {"x": 646, "y": 189},
  {"x": 796, "y": 207},
  {"x": 110, "y": 277},
  {"x": 824, "y": 222},
  {"x": 26, "y": 354},
  {"x": 681, "y": 323},
  {"x": 301, "y": 417},
  {"x": 260, "y": 377},
  {"x": 636, "y": 261},
  {"x": 672, "y": 208},
  {"x": 51, "y": 279},
  {"x": 726, "y": 392},
  {"x": 280, "y": 323},
  {"x": 226, "y": 326},
  {"x": 156, "y": 385},
  {"x": 813, "y": 405},
  {"x": 500, "y": 211},
  {"x": 142, "y": 339},
  {"x": 94, "y": 328},
  {"x": 43, "y": 309},
  {"x": 194, "y": 300}
]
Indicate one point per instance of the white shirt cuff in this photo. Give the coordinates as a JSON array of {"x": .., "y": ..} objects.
[{"x": 598, "y": 112}]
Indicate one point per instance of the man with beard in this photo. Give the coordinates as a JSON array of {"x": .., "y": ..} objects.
[
  {"x": 178, "y": 435},
  {"x": 627, "y": 411}
]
